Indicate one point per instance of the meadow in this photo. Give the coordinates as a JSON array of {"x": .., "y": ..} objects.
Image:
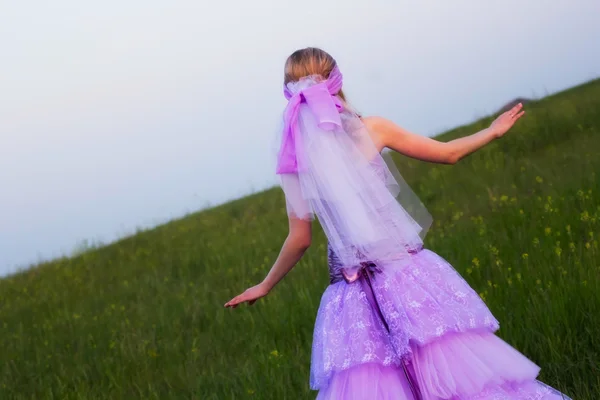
[{"x": 143, "y": 318}]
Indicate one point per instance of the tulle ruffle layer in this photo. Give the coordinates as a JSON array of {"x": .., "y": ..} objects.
[
  {"x": 475, "y": 366},
  {"x": 457, "y": 366},
  {"x": 369, "y": 381},
  {"x": 377, "y": 382}
]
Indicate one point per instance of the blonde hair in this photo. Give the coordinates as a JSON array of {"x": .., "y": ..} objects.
[{"x": 309, "y": 61}]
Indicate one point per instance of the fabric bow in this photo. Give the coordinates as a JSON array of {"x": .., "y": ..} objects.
[{"x": 322, "y": 101}]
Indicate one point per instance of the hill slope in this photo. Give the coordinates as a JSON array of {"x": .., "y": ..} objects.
[{"x": 144, "y": 317}]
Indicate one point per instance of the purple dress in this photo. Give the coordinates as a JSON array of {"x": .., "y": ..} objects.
[{"x": 419, "y": 332}]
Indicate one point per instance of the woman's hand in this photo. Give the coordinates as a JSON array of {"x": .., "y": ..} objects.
[
  {"x": 250, "y": 295},
  {"x": 292, "y": 250},
  {"x": 506, "y": 120}
]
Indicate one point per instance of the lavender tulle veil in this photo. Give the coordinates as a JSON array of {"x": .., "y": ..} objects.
[{"x": 330, "y": 168}]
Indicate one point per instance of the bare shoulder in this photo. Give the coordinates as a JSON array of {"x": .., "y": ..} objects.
[
  {"x": 375, "y": 123},
  {"x": 381, "y": 126},
  {"x": 371, "y": 123},
  {"x": 382, "y": 130}
]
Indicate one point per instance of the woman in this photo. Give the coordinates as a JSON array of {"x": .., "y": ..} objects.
[{"x": 397, "y": 321}]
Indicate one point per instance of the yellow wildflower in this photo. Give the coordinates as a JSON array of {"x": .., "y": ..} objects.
[{"x": 585, "y": 216}]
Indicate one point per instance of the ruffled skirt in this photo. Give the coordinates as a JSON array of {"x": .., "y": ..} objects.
[{"x": 416, "y": 333}]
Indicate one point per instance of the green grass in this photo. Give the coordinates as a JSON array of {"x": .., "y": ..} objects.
[{"x": 144, "y": 317}]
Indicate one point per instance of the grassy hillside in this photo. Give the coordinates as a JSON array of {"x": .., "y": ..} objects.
[{"x": 144, "y": 317}]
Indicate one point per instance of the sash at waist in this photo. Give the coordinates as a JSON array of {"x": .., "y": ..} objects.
[{"x": 338, "y": 273}]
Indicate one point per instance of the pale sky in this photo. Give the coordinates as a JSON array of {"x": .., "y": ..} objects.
[{"x": 116, "y": 115}]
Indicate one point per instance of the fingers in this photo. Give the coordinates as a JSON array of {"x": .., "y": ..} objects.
[
  {"x": 233, "y": 303},
  {"x": 249, "y": 295},
  {"x": 237, "y": 300},
  {"x": 513, "y": 112},
  {"x": 519, "y": 115}
]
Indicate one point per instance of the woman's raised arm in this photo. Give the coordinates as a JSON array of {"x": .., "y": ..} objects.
[{"x": 387, "y": 134}]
